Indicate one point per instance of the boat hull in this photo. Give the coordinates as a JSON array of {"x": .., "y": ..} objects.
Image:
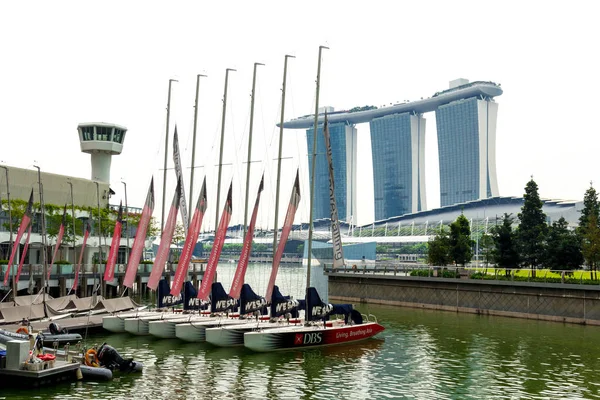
[
  {"x": 116, "y": 323},
  {"x": 195, "y": 332},
  {"x": 233, "y": 335},
  {"x": 141, "y": 325},
  {"x": 308, "y": 337},
  {"x": 165, "y": 328}
]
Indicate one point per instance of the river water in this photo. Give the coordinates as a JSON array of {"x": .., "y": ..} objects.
[{"x": 422, "y": 354}]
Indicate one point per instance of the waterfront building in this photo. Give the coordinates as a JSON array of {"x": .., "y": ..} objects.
[
  {"x": 466, "y": 130},
  {"x": 466, "y": 121},
  {"x": 343, "y": 145},
  {"x": 397, "y": 145}
]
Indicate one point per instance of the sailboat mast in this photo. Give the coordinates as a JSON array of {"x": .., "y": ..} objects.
[
  {"x": 10, "y": 227},
  {"x": 313, "y": 175},
  {"x": 162, "y": 218},
  {"x": 194, "y": 143},
  {"x": 73, "y": 222},
  {"x": 250, "y": 146},
  {"x": 275, "y": 230},
  {"x": 221, "y": 148},
  {"x": 43, "y": 216}
]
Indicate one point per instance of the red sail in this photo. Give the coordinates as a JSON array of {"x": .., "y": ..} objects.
[
  {"x": 24, "y": 223},
  {"x": 165, "y": 240},
  {"x": 215, "y": 253},
  {"x": 61, "y": 232},
  {"x": 111, "y": 261},
  {"x": 285, "y": 232},
  {"x": 240, "y": 272},
  {"x": 86, "y": 234},
  {"x": 190, "y": 242},
  {"x": 20, "y": 268},
  {"x": 140, "y": 238}
]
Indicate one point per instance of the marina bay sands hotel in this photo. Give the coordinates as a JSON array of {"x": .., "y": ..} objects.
[{"x": 466, "y": 129}]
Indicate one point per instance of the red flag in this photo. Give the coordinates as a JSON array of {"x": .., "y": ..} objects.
[
  {"x": 240, "y": 272},
  {"x": 24, "y": 223},
  {"x": 165, "y": 240},
  {"x": 215, "y": 253},
  {"x": 20, "y": 268},
  {"x": 140, "y": 238},
  {"x": 111, "y": 261},
  {"x": 285, "y": 232},
  {"x": 61, "y": 232},
  {"x": 190, "y": 242},
  {"x": 86, "y": 234}
]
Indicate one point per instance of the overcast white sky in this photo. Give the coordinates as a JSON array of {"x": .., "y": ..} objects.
[{"x": 69, "y": 62}]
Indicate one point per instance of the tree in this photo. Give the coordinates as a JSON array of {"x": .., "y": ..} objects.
[
  {"x": 563, "y": 248},
  {"x": 461, "y": 244},
  {"x": 532, "y": 229},
  {"x": 178, "y": 238},
  {"x": 438, "y": 252},
  {"x": 505, "y": 253},
  {"x": 486, "y": 248},
  {"x": 591, "y": 244},
  {"x": 590, "y": 208}
]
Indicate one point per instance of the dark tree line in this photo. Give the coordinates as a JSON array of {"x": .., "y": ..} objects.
[{"x": 532, "y": 243}]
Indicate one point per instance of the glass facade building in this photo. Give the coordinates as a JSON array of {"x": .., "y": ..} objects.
[
  {"x": 343, "y": 148},
  {"x": 466, "y": 132},
  {"x": 398, "y": 146}
]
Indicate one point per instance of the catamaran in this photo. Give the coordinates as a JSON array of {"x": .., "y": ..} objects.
[{"x": 316, "y": 331}]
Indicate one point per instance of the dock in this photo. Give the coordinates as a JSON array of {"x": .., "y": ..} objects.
[
  {"x": 92, "y": 323},
  {"x": 61, "y": 372}
]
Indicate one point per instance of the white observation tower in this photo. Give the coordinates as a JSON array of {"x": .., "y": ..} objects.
[{"x": 102, "y": 140}]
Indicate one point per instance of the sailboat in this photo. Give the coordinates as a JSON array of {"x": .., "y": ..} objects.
[{"x": 316, "y": 331}]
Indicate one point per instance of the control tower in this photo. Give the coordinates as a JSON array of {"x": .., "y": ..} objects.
[{"x": 102, "y": 140}]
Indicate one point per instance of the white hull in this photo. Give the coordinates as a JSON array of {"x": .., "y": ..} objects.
[
  {"x": 195, "y": 332},
  {"x": 141, "y": 325},
  {"x": 165, "y": 328},
  {"x": 116, "y": 323},
  {"x": 233, "y": 335},
  {"x": 309, "y": 336}
]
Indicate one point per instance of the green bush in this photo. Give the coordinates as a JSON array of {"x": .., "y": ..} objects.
[
  {"x": 147, "y": 262},
  {"x": 62, "y": 262},
  {"x": 3, "y": 262},
  {"x": 420, "y": 272}
]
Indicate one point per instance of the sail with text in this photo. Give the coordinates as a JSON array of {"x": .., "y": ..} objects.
[
  {"x": 111, "y": 262},
  {"x": 282, "y": 305},
  {"x": 220, "y": 301},
  {"x": 336, "y": 236},
  {"x": 140, "y": 238},
  {"x": 190, "y": 242},
  {"x": 240, "y": 272},
  {"x": 24, "y": 224},
  {"x": 215, "y": 253},
  {"x": 61, "y": 232},
  {"x": 178, "y": 171},
  {"x": 165, "y": 241},
  {"x": 86, "y": 234},
  {"x": 22, "y": 260},
  {"x": 251, "y": 302},
  {"x": 285, "y": 232}
]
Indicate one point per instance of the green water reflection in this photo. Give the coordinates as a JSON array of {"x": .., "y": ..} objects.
[{"x": 421, "y": 355}]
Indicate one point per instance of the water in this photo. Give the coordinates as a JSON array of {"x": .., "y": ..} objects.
[{"x": 422, "y": 355}]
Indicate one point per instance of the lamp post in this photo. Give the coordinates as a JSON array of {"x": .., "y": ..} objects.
[
  {"x": 73, "y": 221},
  {"x": 99, "y": 232},
  {"x": 127, "y": 230},
  {"x": 43, "y": 216},
  {"x": 10, "y": 243}
]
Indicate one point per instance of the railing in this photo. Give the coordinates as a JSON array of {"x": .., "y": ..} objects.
[{"x": 578, "y": 277}]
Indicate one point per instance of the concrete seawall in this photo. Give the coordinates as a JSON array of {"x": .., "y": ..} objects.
[{"x": 570, "y": 303}]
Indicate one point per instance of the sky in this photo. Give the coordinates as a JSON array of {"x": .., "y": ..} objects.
[{"x": 68, "y": 62}]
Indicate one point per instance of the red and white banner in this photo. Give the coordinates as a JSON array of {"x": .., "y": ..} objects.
[
  {"x": 285, "y": 232},
  {"x": 20, "y": 268},
  {"x": 140, "y": 238},
  {"x": 61, "y": 232},
  {"x": 86, "y": 234},
  {"x": 190, "y": 242},
  {"x": 240, "y": 272},
  {"x": 165, "y": 240},
  {"x": 215, "y": 253},
  {"x": 111, "y": 261},
  {"x": 15, "y": 247},
  {"x": 179, "y": 172}
]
